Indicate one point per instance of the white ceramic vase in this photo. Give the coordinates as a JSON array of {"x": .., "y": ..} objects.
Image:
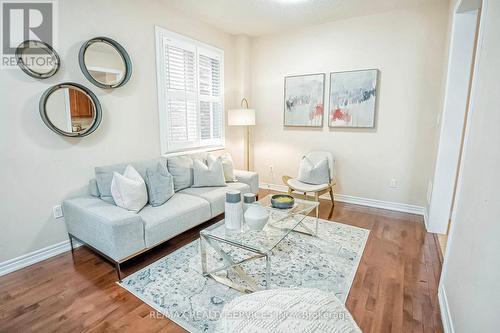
[
  {"x": 233, "y": 211},
  {"x": 256, "y": 217},
  {"x": 249, "y": 199}
]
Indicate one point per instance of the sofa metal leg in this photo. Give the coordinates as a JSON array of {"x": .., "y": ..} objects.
[
  {"x": 71, "y": 243},
  {"x": 116, "y": 263},
  {"x": 118, "y": 271}
]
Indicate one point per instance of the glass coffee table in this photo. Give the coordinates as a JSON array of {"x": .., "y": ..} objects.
[{"x": 259, "y": 244}]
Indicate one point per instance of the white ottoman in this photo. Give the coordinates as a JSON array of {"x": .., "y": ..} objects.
[{"x": 287, "y": 310}]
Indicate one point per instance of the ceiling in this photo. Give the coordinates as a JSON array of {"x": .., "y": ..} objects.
[{"x": 259, "y": 17}]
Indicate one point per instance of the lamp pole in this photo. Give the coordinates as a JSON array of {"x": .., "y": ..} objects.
[
  {"x": 248, "y": 148},
  {"x": 243, "y": 117},
  {"x": 244, "y": 101}
]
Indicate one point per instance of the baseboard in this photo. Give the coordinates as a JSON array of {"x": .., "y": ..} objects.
[
  {"x": 395, "y": 206},
  {"x": 34, "y": 257},
  {"x": 445, "y": 311}
]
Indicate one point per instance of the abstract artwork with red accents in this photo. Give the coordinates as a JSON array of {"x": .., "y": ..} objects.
[
  {"x": 304, "y": 100},
  {"x": 353, "y": 98}
]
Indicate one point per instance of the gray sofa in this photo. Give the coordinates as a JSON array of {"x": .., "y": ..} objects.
[{"x": 119, "y": 234}]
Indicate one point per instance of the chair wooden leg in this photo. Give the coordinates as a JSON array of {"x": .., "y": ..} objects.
[
  {"x": 316, "y": 198},
  {"x": 331, "y": 197}
]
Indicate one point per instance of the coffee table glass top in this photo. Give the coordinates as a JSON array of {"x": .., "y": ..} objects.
[{"x": 281, "y": 222}]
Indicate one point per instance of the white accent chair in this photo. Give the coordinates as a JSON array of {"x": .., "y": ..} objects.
[
  {"x": 287, "y": 310},
  {"x": 300, "y": 190}
]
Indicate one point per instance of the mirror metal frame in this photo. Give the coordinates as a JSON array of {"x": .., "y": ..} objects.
[
  {"x": 24, "y": 45},
  {"x": 97, "y": 105},
  {"x": 121, "y": 51}
]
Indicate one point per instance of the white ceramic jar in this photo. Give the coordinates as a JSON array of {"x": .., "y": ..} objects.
[
  {"x": 248, "y": 200},
  {"x": 256, "y": 217},
  {"x": 233, "y": 211}
]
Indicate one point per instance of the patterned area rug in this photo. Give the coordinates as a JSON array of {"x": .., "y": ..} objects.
[{"x": 175, "y": 287}]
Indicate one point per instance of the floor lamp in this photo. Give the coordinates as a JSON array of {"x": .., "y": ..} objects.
[{"x": 243, "y": 117}]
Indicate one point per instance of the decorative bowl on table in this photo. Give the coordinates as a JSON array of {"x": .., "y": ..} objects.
[{"x": 282, "y": 201}]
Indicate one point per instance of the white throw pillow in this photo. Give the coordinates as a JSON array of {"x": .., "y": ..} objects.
[
  {"x": 211, "y": 175},
  {"x": 314, "y": 174},
  {"x": 227, "y": 165},
  {"x": 129, "y": 190}
]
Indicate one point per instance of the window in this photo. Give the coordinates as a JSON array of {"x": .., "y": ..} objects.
[{"x": 190, "y": 93}]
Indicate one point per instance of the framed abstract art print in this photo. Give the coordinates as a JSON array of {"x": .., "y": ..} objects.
[
  {"x": 353, "y": 97},
  {"x": 304, "y": 100}
]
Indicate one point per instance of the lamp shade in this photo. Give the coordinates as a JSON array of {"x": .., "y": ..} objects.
[{"x": 241, "y": 117}]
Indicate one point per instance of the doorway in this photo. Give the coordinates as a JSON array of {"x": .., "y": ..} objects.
[{"x": 461, "y": 63}]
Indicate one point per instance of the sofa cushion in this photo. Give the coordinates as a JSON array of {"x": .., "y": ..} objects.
[
  {"x": 248, "y": 177},
  {"x": 180, "y": 213},
  {"x": 216, "y": 195},
  {"x": 181, "y": 168},
  {"x": 104, "y": 175},
  {"x": 202, "y": 156}
]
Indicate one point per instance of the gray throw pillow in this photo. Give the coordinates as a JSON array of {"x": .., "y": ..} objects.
[
  {"x": 93, "y": 189},
  {"x": 212, "y": 175},
  {"x": 104, "y": 175},
  {"x": 181, "y": 168},
  {"x": 160, "y": 185}
]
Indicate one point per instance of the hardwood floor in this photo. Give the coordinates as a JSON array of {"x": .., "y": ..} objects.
[{"x": 395, "y": 288}]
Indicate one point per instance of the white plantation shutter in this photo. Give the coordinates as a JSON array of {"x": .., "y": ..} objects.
[
  {"x": 209, "y": 73},
  {"x": 189, "y": 93},
  {"x": 180, "y": 78}
]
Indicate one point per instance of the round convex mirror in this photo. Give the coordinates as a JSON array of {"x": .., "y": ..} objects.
[
  {"x": 105, "y": 63},
  {"x": 37, "y": 59},
  {"x": 70, "y": 109}
]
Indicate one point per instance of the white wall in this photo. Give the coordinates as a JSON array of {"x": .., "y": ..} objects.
[
  {"x": 472, "y": 269},
  {"x": 235, "y": 136},
  {"x": 39, "y": 168},
  {"x": 452, "y": 120},
  {"x": 408, "y": 47}
]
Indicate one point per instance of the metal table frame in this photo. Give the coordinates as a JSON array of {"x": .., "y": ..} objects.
[{"x": 229, "y": 264}]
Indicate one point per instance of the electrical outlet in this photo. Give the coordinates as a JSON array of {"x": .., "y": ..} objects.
[
  {"x": 57, "y": 211},
  {"x": 393, "y": 183}
]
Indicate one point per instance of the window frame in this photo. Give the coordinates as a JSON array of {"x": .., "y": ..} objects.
[{"x": 207, "y": 50}]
